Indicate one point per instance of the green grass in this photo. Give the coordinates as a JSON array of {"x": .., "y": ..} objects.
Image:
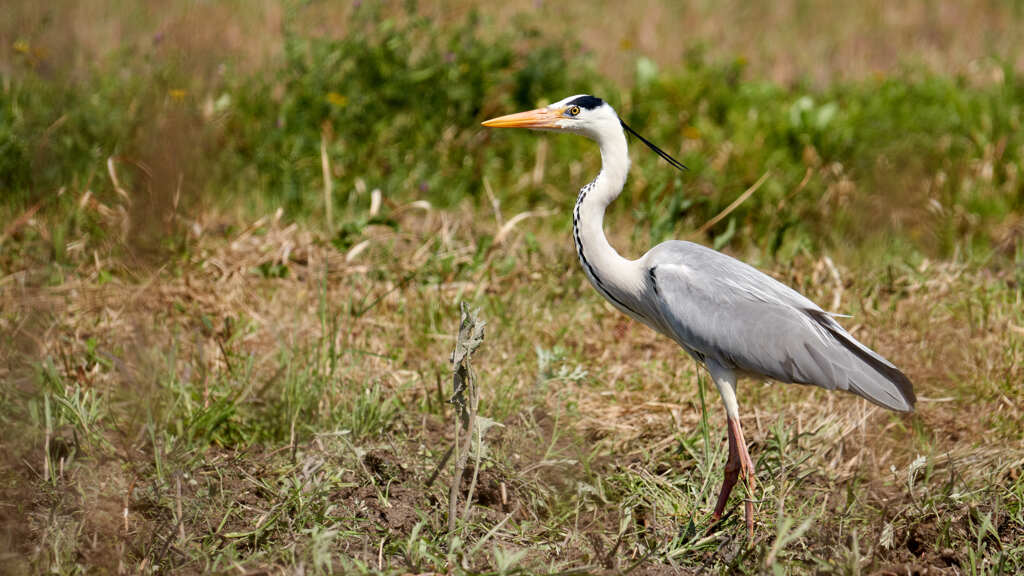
[{"x": 196, "y": 382}]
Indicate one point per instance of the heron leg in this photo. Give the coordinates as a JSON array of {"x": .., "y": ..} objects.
[
  {"x": 739, "y": 463},
  {"x": 732, "y": 471},
  {"x": 746, "y": 469}
]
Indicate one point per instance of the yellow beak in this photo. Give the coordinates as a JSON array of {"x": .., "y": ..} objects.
[{"x": 539, "y": 118}]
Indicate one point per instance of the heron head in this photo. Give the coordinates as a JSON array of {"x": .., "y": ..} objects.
[{"x": 581, "y": 114}]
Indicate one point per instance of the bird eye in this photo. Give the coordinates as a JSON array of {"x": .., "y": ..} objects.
[{"x": 573, "y": 111}]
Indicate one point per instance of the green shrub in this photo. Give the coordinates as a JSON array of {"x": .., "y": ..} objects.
[{"x": 915, "y": 160}]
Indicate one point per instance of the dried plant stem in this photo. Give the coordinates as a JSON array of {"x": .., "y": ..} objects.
[
  {"x": 461, "y": 460},
  {"x": 728, "y": 209},
  {"x": 325, "y": 165},
  {"x": 453, "y": 490},
  {"x": 465, "y": 398},
  {"x": 479, "y": 452}
]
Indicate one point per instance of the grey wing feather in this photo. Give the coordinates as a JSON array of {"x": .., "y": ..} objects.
[{"x": 718, "y": 307}]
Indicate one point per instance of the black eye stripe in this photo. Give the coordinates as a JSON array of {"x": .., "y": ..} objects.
[{"x": 587, "y": 102}]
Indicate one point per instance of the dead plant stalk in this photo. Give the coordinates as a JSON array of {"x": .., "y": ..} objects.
[{"x": 466, "y": 399}]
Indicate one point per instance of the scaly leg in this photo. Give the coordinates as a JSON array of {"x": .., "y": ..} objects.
[
  {"x": 739, "y": 463},
  {"x": 732, "y": 471},
  {"x": 746, "y": 466}
]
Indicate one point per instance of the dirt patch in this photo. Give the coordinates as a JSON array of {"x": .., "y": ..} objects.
[
  {"x": 394, "y": 509},
  {"x": 385, "y": 467}
]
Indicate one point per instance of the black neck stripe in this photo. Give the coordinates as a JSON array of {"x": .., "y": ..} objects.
[{"x": 598, "y": 283}]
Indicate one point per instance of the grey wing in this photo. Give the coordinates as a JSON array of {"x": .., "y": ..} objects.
[{"x": 720, "y": 308}]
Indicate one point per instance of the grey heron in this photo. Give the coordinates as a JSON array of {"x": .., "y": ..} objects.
[{"x": 729, "y": 316}]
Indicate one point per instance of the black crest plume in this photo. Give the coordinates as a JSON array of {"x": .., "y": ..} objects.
[{"x": 668, "y": 158}]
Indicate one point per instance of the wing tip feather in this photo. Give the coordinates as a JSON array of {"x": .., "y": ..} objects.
[{"x": 891, "y": 373}]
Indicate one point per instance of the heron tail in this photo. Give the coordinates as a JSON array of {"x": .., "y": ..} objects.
[{"x": 878, "y": 380}]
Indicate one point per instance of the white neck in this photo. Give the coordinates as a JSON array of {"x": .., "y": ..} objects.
[{"x": 616, "y": 278}]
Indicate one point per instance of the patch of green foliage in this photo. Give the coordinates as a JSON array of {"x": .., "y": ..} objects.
[
  {"x": 945, "y": 153},
  {"x": 396, "y": 103},
  {"x": 58, "y": 129},
  {"x": 932, "y": 161}
]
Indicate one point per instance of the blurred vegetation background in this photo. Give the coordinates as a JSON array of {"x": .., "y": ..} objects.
[{"x": 892, "y": 128}]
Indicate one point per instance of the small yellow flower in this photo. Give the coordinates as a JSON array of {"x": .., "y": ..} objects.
[
  {"x": 178, "y": 95},
  {"x": 21, "y": 47},
  {"x": 336, "y": 99}
]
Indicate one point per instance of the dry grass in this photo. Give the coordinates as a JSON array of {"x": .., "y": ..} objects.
[{"x": 612, "y": 408}]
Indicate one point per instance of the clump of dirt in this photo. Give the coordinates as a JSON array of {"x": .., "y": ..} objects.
[
  {"x": 384, "y": 467},
  {"x": 394, "y": 508},
  {"x": 399, "y": 496},
  {"x": 489, "y": 490}
]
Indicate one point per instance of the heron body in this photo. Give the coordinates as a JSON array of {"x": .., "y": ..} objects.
[{"x": 727, "y": 315}]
